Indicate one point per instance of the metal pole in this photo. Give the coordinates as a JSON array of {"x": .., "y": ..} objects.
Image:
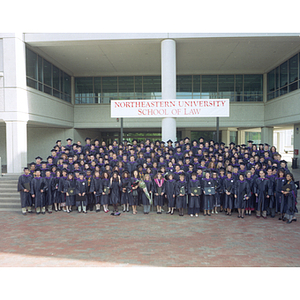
[
  {"x": 217, "y": 130},
  {"x": 121, "y": 130}
]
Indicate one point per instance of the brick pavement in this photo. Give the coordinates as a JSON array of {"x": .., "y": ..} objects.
[{"x": 99, "y": 239}]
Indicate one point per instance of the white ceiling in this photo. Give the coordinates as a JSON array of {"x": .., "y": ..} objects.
[{"x": 140, "y": 55}]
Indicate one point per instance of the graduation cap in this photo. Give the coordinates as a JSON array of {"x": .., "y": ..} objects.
[
  {"x": 38, "y": 157},
  {"x": 58, "y": 141},
  {"x": 243, "y": 145},
  {"x": 47, "y": 170},
  {"x": 49, "y": 157},
  {"x": 187, "y": 138},
  {"x": 26, "y": 168},
  {"x": 231, "y": 143},
  {"x": 53, "y": 150},
  {"x": 169, "y": 141},
  {"x": 283, "y": 161},
  {"x": 250, "y": 141},
  {"x": 69, "y": 139},
  {"x": 96, "y": 140},
  {"x": 44, "y": 162},
  {"x": 38, "y": 169},
  {"x": 182, "y": 174},
  {"x": 32, "y": 164},
  {"x": 87, "y": 139},
  {"x": 267, "y": 145}
]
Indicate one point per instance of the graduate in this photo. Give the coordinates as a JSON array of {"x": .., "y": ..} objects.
[
  {"x": 96, "y": 189},
  {"x": 208, "y": 186},
  {"x": 228, "y": 186},
  {"x": 81, "y": 191},
  {"x": 290, "y": 194},
  {"x": 222, "y": 177},
  {"x": 24, "y": 189},
  {"x": 271, "y": 206},
  {"x": 115, "y": 186},
  {"x": 280, "y": 181},
  {"x": 250, "y": 202},
  {"x": 133, "y": 197},
  {"x": 61, "y": 189},
  {"x": 70, "y": 185},
  {"x": 125, "y": 190},
  {"x": 48, "y": 191},
  {"x": 159, "y": 191},
  {"x": 37, "y": 189},
  {"x": 241, "y": 194},
  {"x": 56, "y": 194},
  {"x": 105, "y": 190},
  {"x": 170, "y": 192},
  {"x": 194, "y": 200},
  {"x": 217, "y": 197},
  {"x": 149, "y": 185},
  {"x": 90, "y": 195},
  {"x": 262, "y": 190},
  {"x": 181, "y": 193}
]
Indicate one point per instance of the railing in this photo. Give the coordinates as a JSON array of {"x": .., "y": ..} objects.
[{"x": 1, "y": 166}]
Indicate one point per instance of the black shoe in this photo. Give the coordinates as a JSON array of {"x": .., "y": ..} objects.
[
  {"x": 272, "y": 216},
  {"x": 283, "y": 219},
  {"x": 168, "y": 212},
  {"x": 242, "y": 217},
  {"x": 280, "y": 218},
  {"x": 85, "y": 212},
  {"x": 128, "y": 210},
  {"x": 209, "y": 215},
  {"x": 97, "y": 210},
  {"x": 289, "y": 221},
  {"x": 295, "y": 220},
  {"x": 124, "y": 210},
  {"x": 43, "y": 212},
  {"x": 239, "y": 216},
  {"x": 24, "y": 213},
  {"x": 172, "y": 213}
]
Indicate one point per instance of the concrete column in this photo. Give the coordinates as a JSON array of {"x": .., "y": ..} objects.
[
  {"x": 72, "y": 90},
  {"x": 297, "y": 142},
  {"x": 16, "y": 146},
  {"x": 265, "y": 87},
  {"x": 267, "y": 135},
  {"x": 168, "y": 85},
  {"x": 225, "y": 137},
  {"x": 241, "y": 137}
]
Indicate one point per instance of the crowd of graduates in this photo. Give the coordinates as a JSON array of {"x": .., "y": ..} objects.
[{"x": 194, "y": 176}]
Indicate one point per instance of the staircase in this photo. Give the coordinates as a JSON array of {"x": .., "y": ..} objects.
[{"x": 9, "y": 195}]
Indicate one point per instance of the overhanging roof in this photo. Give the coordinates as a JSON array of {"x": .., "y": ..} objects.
[{"x": 109, "y": 54}]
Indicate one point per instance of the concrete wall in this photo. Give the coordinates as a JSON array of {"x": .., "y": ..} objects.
[
  {"x": 297, "y": 141},
  {"x": 3, "y": 143},
  {"x": 40, "y": 140},
  {"x": 44, "y": 108},
  {"x": 98, "y": 116},
  {"x": 283, "y": 110}
]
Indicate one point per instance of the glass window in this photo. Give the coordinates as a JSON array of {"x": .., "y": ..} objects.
[
  {"x": 293, "y": 68},
  {"x": 40, "y": 69},
  {"x": 239, "y": 88},
  {"x": 56, "y": 78},
  {"x": 31, "y": 64},
  {"x": 84, "y": 90},
  {"x": 184, "y": 87},
  {"x": 138, "y": 87},
  {"x": 283, "y": 74},
  {"x": 152, "y": 87},
  {"x": 109, "y": 89},
  {"x": 226, "y": 87},
  {"x": 67, "y": 84},
  {"x": 126, "y": 87},
  {"x": 253, "y": 87},
  {"x": 209, "y": 87},
  {"x": 47, "y": 72},
  {"x": 97, "y": 89},
  {"x": 196, "y": 86}
]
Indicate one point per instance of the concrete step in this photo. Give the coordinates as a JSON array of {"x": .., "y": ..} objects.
[
  {"x": 10, "y": 195},
  {"x": 8, "y": 189},
  {"x": 11, "y": 209},
  {"x": 12, "y": 205},
  {"x": 11, "y": 200}
]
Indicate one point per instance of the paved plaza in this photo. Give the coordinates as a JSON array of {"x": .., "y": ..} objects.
[{"x": 99, "y": 239}]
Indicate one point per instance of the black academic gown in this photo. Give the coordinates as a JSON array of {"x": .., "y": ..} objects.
[
  {"x": 104, "y": 198},
  {"x": 159, "y": 199},
  {"x": 61, "y": 189},
  {"x": 56, "y": 194},
  {"x": 149, "y": 185},
  {"x": 279, "y": 197},
  {"x": 37, "y": 184},
  {"x": 291, "y": 200},
  {"x": 125, "y": 190},
  {"x": 194, "y": 201},
  {"x": 115, "y": 192},
  {"x": 81, "y": 187},
  {"x": 48, "y": 191},
  {"x": 70, "y": 200},
  {"x": 96, "y": 187},
  {"x": 228, "y": 185},
  {"x": 241, "y": 190},
  {"x": 171, "y": 192},
  {"x": 208, "y": 199},
  {"x": 262, "y": 187},
  {"x": 25, "y": 196},
  {"x": 181, "y": 200}
]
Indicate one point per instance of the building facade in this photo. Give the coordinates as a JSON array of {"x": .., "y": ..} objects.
[{"x": 59, "y": 86}]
